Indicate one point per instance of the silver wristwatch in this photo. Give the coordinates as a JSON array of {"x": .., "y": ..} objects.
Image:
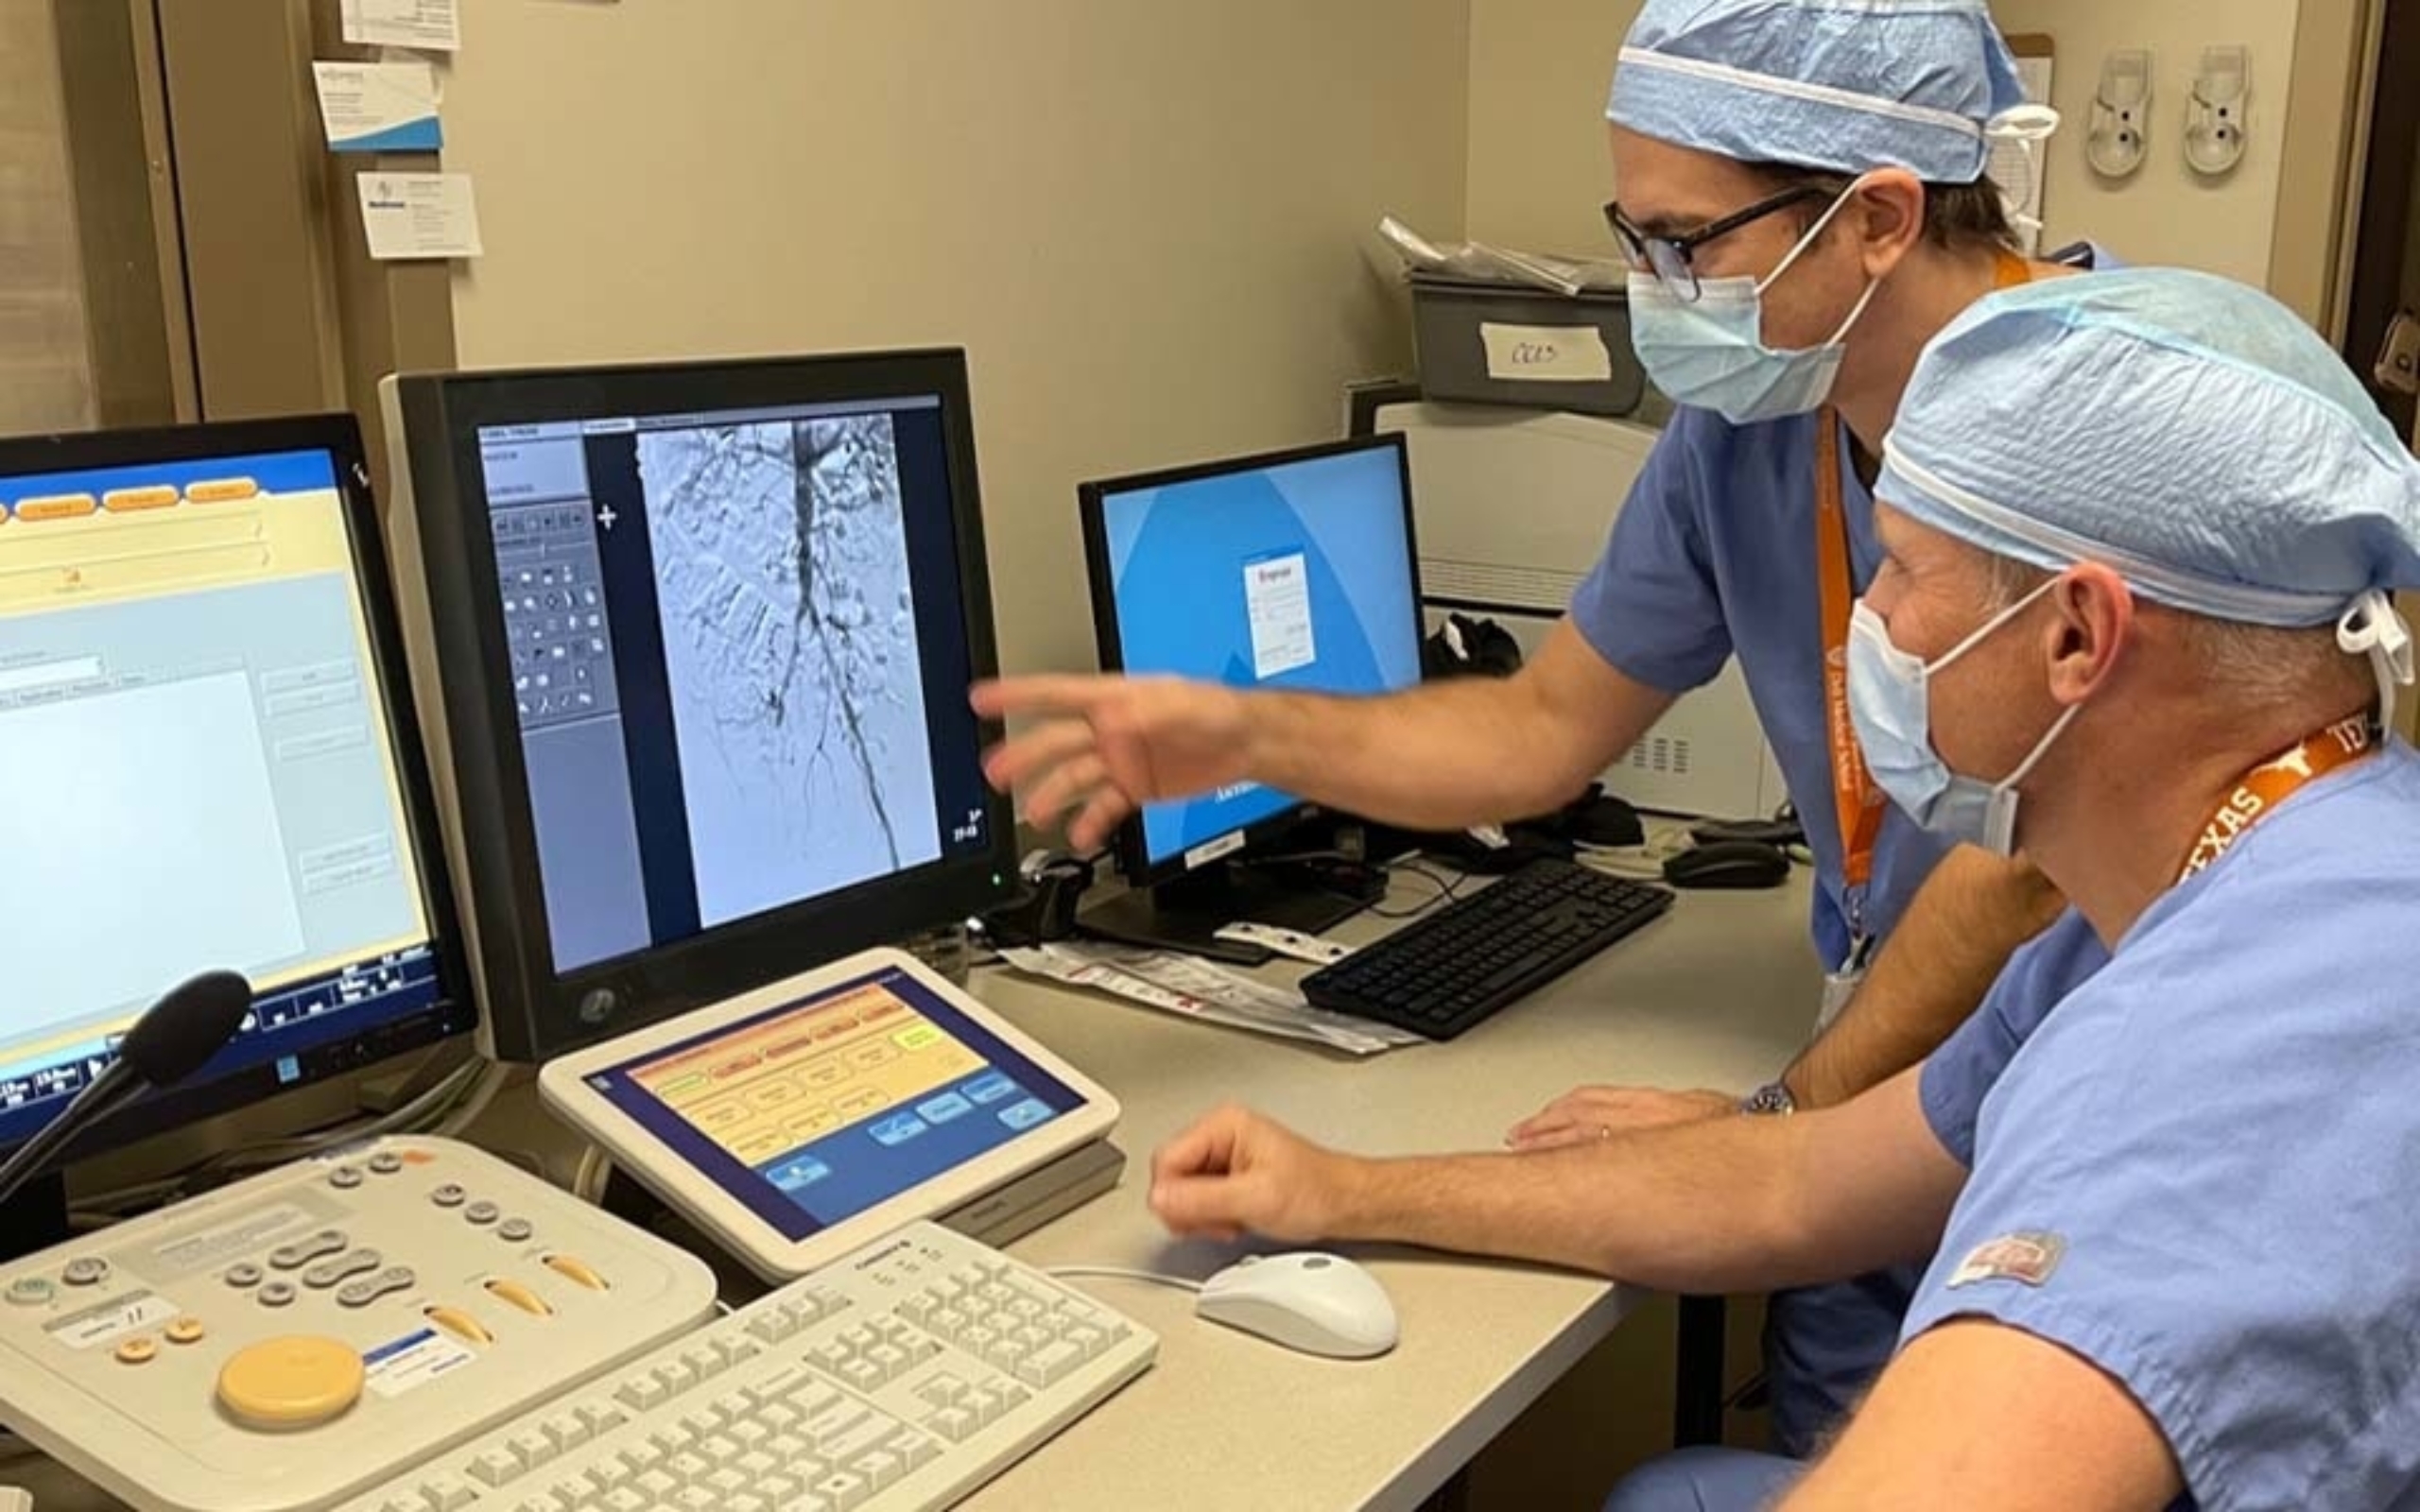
[{"x": 1773, "y": 1097}]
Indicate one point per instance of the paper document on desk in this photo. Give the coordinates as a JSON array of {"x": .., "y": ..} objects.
[{"x": 1198, "y": 990}]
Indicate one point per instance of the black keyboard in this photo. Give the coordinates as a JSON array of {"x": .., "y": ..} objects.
[{"x": 1443, "y": 974}]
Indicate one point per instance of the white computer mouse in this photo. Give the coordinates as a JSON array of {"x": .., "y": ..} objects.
[{"x": 1320, "y": 1304}]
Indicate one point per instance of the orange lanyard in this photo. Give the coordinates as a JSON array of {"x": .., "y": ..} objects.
[
  {"x": 1856, "y": 800},
  {"x": 2270, "y": 783}
]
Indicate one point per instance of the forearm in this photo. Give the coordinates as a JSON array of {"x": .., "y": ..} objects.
[
  {"x": 1705, "y": 1207},
  {"x": 1970, "y": 915},
  {"x": 1442, "y": 756}
]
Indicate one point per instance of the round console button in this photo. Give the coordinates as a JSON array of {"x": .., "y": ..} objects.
[{"x": 297, "y": 1382}]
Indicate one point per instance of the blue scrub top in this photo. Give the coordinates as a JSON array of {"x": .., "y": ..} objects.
[
  {"x": 2217, "y": 1139},
  {"x": 1712, "y": 556}
]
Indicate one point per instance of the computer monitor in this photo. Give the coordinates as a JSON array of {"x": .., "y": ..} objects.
[
  {"x": 1295, "y": 570},
  {"x": 700, "y": 637},
  {"x": 213, "y": 764}
]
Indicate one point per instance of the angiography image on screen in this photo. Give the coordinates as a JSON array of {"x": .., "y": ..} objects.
[{"x": 790, "y": 653}]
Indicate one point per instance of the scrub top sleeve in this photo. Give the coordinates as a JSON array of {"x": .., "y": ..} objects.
[{"x": 1652, "y": 607}]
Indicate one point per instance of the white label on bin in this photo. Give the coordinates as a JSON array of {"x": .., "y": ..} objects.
[{"x": 1546, "y": 353}]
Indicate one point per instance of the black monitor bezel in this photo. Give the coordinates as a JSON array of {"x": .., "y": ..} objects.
[
  {"x": 533, "y": 1011},
  {"x": 454, "y": 1013},
  {"x": 1130, "y": 845}
]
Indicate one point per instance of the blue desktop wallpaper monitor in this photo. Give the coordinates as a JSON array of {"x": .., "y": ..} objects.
[{"x": 1292, "y": 573}]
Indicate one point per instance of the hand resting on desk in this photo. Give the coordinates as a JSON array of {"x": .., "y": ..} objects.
[{"x": 1586, "y": 1113}]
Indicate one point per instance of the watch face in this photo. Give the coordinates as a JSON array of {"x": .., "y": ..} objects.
[{"x": 1773, "y": 1097}]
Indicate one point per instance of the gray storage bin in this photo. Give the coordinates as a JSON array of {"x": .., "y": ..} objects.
[{"x": 1509, "y": 344}]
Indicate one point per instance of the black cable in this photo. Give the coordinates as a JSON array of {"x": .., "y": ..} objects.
[{"x": 1447, "y": 892}]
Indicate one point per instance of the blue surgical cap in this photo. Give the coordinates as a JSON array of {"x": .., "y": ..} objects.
[
  {"x": 2186, "y": 430},
  {"x": 1844, "y": 85}
]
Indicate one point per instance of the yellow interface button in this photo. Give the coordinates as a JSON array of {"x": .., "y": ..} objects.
[{"x": 297, "y": 1382}]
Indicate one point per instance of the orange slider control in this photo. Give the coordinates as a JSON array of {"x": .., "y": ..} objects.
[
  {"x": 221, "y": 491},
  {"x": 459, "y": 1323},
  {"x": 57, "y": 506},
  {"x": 516, "y": 1295},
  {"x": 131, "y": 501},
  {"x": 577, "y": 1271}
]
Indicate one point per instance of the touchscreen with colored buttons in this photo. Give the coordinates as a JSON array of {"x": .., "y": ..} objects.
[{"x": 818, "y": 1110}]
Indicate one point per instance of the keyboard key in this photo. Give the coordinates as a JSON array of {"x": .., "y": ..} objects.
[
  {"x": 915, "y": 1450},
  {"x": 879, "y": 1469},
  {"x": 534, "y": 1448},
  {"x": 496, "y": 1467},
  {"x": 863, "y": 1439},
  {"x": 566, "y": 1431},
  {"x": 755, "y": 1464},
  {"x": 601, "y": 1418},
  {"x": 694, "y": 1498},
  {"x": 623, "y": 1499},
  {"x": 844, "y": 1490},
  {"x": 772, "y": 1326},
  {"x": 1046, "y": 1366},
  {"x": 443, "y": 1493},
  {"x": 953, "y": 1423},
  {"x": 726, "y": 1484},
  {"x": 639, "y": 1393},
  {"x": 656, "y": 1484}
]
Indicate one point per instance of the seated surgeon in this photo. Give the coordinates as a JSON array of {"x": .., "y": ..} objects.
[{"x": 2139, "y": 531}]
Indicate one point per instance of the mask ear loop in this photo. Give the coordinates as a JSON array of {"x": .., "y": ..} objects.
[
  {"x": 1813, "y": 233},
  {"x": 2373, "y": 628},
  {"x": 2027, "y": 127}
]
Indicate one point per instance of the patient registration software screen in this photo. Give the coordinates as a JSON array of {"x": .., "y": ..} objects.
[
  {"x": 198, "y": 766},
  {"x": 814, "y": 1111},
  {"x": 1297, "y": 576}
]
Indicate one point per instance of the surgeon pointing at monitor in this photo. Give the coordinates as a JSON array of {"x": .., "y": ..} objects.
[{"x": 1802, "y": 194}]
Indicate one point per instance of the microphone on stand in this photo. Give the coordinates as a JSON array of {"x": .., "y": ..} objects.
[{"x": 174, "y": 1039}]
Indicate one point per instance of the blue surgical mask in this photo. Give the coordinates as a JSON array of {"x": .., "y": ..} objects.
[
  {"x": 1890, "y": 705},
  {"x": 1711, "y": 353}
]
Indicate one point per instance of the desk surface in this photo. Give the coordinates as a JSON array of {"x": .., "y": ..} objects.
[{"x": 1717, "y": 993}]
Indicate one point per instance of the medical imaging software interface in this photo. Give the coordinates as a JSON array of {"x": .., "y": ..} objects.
[
  {"x": 813, "y": 1111},
  {"x": 739, "y": 658},
  {"x": 1293, "y": 575},
  {"x": 200, "y": 773}
]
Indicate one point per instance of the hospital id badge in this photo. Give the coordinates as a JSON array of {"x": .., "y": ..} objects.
[{"x": 1838, "y": 987}]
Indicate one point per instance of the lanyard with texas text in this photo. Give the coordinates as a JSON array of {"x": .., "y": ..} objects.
[
  {"x": 1857, "y": 801},
  {"x": 2260, "y": 790}
]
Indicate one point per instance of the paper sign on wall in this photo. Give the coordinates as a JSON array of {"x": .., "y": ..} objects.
[
  {"x": 433, "y": 24},
  {"x": 379, "y": 107},
  {"x": 418, "y": 215},
  {"x": 1546, "y": 353}
]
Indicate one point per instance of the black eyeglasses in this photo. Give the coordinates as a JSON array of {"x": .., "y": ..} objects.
[{"x": 1672, "y": 259}]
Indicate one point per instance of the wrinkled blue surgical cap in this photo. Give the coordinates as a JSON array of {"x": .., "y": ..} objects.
[
  {"x": 2187, "y": 430},
  {"x": 1842, "y": 85}
]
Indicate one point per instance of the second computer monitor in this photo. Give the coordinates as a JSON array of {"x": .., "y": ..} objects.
[
  {"x": 704, "y": 635},
  {"x": 1290, "y": 571}
]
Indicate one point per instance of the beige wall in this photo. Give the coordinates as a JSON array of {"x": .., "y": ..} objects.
[
  {"x": 1539, "y": 71},
  {"x": 1144, "y": 220},
  {"x": 46, "y": 365},
  {"x": 2166, "y": 212}
]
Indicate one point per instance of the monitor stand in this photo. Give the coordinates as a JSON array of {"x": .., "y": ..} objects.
[
  {"x": 1185, "y": 915},
  {"x": 35, "y": 1217}
]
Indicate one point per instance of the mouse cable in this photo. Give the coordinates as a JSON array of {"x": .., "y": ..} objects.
[{"x": 1121, "y": 1272}]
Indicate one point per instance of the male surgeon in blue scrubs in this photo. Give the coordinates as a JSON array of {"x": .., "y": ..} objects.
[
  {"x": 2140, "y": 533},
  {"x": 1803, "y": 198}
]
